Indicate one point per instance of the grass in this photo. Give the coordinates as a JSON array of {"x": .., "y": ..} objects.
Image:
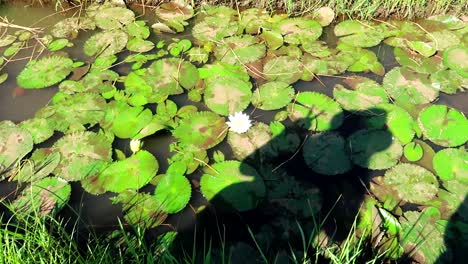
[{"x": 358, "y": 9}]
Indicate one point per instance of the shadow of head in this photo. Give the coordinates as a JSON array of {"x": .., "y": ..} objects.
[{"x": 291, "y": 174}]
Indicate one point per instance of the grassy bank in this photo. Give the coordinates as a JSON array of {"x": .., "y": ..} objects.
[{"x": 360, "y": 9}]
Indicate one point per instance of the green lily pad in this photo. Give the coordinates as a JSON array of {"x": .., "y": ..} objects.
[
  {"x": 448, "y": 81},
  {"x": 456, "y": 59},
  {"x": 173, "y": 191},
  {"x": 424, "y": 48},
  {"x": 413, "y": 183},
  {"x": 359, "y": 33},
  {"x": 140, "y": 209},
  {"x": 139, "y": 45},
  {"x": 451, "y": 164},
  {"x": 83, "y": 154},
  {"x": 3, "y": 76},
  {"x": 45, "y": 197},
  {"x": 272, "y": 95},
  {"x": 218, "y": 23},
  {"x": 299, "y": 30},
  {"x": 6, "y": 40},
  {"x": 283, "y": 69},
  {"x": 114, "y": 17},
  {"x": 44, "y": 72},
  {"x": 443, "y": 39},
  {"x": 273, "y": 39},
  {"x": 409, "y": 87},
  {"x": 72, "y": 112},
  {"x": 374, "y": 149},
  {"x": 227, "y": 95},
  {"x": 69, "y": 27},
  {"x": 240, "y": 49},
  {"x": 423, "y": 232},
  {"x": 138, "y": 29},
  {"x": 326, "y": 153},
  {"x": 365, "y": 94},
  {"x": 126, "y": 121},
  {"x": 128, "y": 174},
  {"x": 233, "y": 184},
  {"x": 443, "y": 126},
  {"x": 315, "y": 111},
  {"x": 252, "y": 20},
  {"x": 37, "y": 167},
  {"x": 40, "y": 129},
  {"x": 175, "y": 14},
  {"x": 106, "y": 43},
  {"x": 246, "y": 144},
  {"x": 15, "y": 143},
  {"x": 413, "y": 151},
  {"x": 201, "y": 130},
  {"x": 417, "y": 62},
  {"x": 316, "y": 48},
  {"x": 198, "y": 55},
  {"x": 58, "y": 44}
]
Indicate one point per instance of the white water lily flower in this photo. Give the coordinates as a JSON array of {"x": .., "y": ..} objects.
[
  {"x": 239, "y": 122},
  {"x": 135, "y": 145}
]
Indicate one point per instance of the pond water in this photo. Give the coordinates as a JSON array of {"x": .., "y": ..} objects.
[{"x": 342, "y": 193}]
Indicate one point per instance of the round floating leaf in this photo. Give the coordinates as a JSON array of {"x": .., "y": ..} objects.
[
  {"x": 126, "y": 121},
  {"x": 456, "y": 58},
  {"x": 409, "y": 87},
  {"x": 68, "y": 28},
  {"x": 413, "y": 151},
  {"x": 443, "y": 39},
  {"x": 374, "y": 149},
  {"x": 140, "y": 209},
  {"x": 233, "y": 184},
  {"x": 413, "y": 183},
  {"x": 283, "y": 69},
  {"x": 451, "y": 164},
  {"x": 448, "y": 81},
  {"x": 325, "y": 153},
  {"x": 7, "y": 40},
  {"x": 252, "y": 20},
  {"x": 83, "y": 154},
  {"x": 417, "y": 62},
  {"x": 113, "y": 17},
  {"x": 315, "y": 111},
  {"x": 106, "y": 43},
  {"x": 364, "y": 95},
  {"x": 173, "y": 192},
  {"x": 139, "y": 45},
  {"x": 58, "y": 44},
  {"x": 214, "y": 28},
  {"x": 227, "y": 95},
  {"x": 41, "y": 129},
  {"x": 202, "y": 130},
  {"x": 299, "y": 30},
  {"x": 37, "y": 167},
  {"x": 44, "y": 72},
  {"x": 244, "y": 145},
  {"x": 15, "y": 143},
  {"x": 175, "y": 14},
  {"x": 359, "y": 33},
  {"x": 131, "y": 173},
  {"x": 44, "y": 197},
  {"x": 444, "y": 126},
  {"x": 272, "y": 95},
  {"x": 240, "y": 49},
  {"x": 424, "y": 48},
  {"x": 138, "y": 29}
]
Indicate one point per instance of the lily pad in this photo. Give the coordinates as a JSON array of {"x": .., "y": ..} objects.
[
  {"x": 443, "y": 126},
  {"x": 83, "y": 154},
  {"x": 139, "y": 45},
  {"x": 448, "y": 81},
  {"x": 315, "y": 111},
  {"x": 413, "y": 151},
  {"x": 41, "y": 129},
  {"x": 413, "y": 183},
  {"x": 45, "y": 197},
  {"x": 359, "y": 33},
  {"x": 44, "y": 72},
  {"x": 113, "y": 17},
  {"x": 253, "y": 20},
  {"x": 175, "y": 14},
  {"x": 227, "y": 95},
  {"x": 299, "y": 30},
  {"x": 424, "y": 48},
  {"x": 173, "y": 191},
  {"x": 456, "y": 58},
  {"x": 37, "y": 167},
  {"x": 138, "y": 29},
  {"x": 283, "y": 69},
  {"x": 240, "y": 49},
  {"x": 218, "y": 23},
  {"x": 417, "y": 62},
  {"x": 201, "y": 130},
  {"x": 128, "y": 174},
  {"x": 126, "y": 121},
  {"x": 6, "y": 40},
  {"x": 365, "y": 94},
  {"x": 374, "y": 149},
  {"x": 15, "y": 143},
  {"x": 326, "y": 153},
  {"x": 106, "y": 43},
  {"x": 233, "y": 184},
  {"x": 68, "y": 28},
  {"x": 246, "y": 144},
  {"x": 409, "y": 87},
  {"x": 452, "y": 164},
  {"x": 272, "y": 95}
]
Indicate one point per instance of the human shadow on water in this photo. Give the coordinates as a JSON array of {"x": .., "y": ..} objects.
[
  {"x": 296, "y": 201},
  {"x": 456, "y": 236}
]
